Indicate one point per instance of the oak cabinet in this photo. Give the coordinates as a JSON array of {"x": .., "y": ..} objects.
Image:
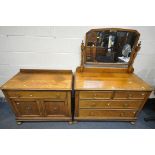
[{"x": 40, "y": 95}]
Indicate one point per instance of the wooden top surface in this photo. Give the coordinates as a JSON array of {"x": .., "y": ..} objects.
[
  {"x": 28, "y": 79},
  {"x": 94, "y": 80}
]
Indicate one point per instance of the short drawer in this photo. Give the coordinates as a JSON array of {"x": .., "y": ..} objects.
[
  {"x": 106, "y": 113},
  {"x": 111, "y": 104},
  {"x": 37, "y": 94},
  {"x": 96, "y": 94},
  {"x": 129, "y": 95}
]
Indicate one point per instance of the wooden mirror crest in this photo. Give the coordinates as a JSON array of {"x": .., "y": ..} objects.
[{"x": 110, "y": 48}]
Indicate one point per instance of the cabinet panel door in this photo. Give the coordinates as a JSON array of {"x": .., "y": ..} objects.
[
  {"x": 27, "y": 107},
  {"x": 54, "y": 108}
]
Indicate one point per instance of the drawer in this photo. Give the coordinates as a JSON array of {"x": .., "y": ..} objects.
[
  {"x": 37, "y": 94},
  {"x": 106, "y": 113},
  {"x": 109, "y": 104},
  {"x": 96, "y": 94},
  {"x": 130, "y": 95}
]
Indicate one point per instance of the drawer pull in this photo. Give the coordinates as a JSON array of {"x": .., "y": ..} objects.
[
  {"x": 56, "y": 96},
  {"x": 17, "y": 103},
  {"x": 28, "y": 108},
  {"x": 108, "y": 104},
  {"x": 93, "y": 104},
  {"x": 130, "y": 95},
  {"x": 31, "y": 95},
  {"x": 121, "y": 114},
  {"x": 125, "y": 104},
  {"x": 143, "y": 94},
  {"x": 91, "y": 114},
  {"x": 55, "y": 108},
  {"x": 95, "y": 95}
]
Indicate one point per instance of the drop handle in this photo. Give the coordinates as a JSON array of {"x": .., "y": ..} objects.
[
  {"x": 130, "y": 95},
  {"x": 56, "y": 96},
  {"x": 28, "y": 108},
  {"x": 121, "y": 114},
  {"x": 91, "y": 114},
  {"x": 55, "y": 108},
  {"x": 31, "y": 95},
  {"x": 125, "y": 104},
  {"x": 93, "y": 104},
  {"x": 95, "y": 95},
  {"x": 108, "y": 104}
]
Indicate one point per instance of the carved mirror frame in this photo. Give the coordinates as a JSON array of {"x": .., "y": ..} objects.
[{"x": 129, "y": 66}]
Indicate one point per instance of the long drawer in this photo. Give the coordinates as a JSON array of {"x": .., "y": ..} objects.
[
  {"x": 129, "y": 95},
  {"x": 95, "y": 94},
  {"x": 37, "y": 94},
  {"x": 92, "y": 113},
  {"x": 111, "y": 104}
]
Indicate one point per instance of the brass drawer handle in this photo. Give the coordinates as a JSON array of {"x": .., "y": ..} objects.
[
  {"x": 121, "y": 114},
  {"x": 31, "y": 95},
  {"x": 108, "y": 104},
  {"x": 17, "y": 103},
  {"x": 130, "y": 95},
  {"x": 93, "y": 104},
  {"x": 95, "y": 95},
  {"x": 125, "y": 104},
  {"x": 18, "y": 95},
  {"x": 55, "y": 108},
  {"x": 56, "y": 96},
  {"x": 143, "y": 94},
  {"x": 28, "y": 108},
  {"x": 91, "y": 114}
]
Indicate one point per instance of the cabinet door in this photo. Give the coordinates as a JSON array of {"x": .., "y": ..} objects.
[
  {"x": 54, "y": 108},
  {"x": 27, "y": 107}
]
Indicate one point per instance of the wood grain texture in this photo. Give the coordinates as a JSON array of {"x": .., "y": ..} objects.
[
  {"x": 91, "y": 79},
  {"x": 41, "y": 80}
]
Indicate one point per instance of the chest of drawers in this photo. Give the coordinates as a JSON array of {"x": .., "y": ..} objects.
[
  {"x": 109, "y": 96},
  {"x": 40, "y": 95}
]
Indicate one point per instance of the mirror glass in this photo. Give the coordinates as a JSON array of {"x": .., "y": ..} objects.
[{"x": 109, "y": 46}]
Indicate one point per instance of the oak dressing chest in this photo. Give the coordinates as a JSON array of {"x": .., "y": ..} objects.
[{"x": 105, "y": 86}]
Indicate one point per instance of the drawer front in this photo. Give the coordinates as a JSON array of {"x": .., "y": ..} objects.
[
  {"x": 96, "y": 94},
  {"x": 130, "y": 95},
  {"x": 54, "y": 108},
  {"x": 106, "y": 113},
  {"x": 109, "y": 104},
  {"x": 37, "y": 94}
]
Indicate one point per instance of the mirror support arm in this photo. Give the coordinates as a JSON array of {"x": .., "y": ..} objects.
[
  {"x": 133, "y": 56},
  {"x": 82, "y": 55}
]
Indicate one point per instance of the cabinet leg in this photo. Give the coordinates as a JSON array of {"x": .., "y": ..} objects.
[
  {"x": 133, "y": 123},
  {"x": 18, "y": 122},
  {"x": 75, "y": 122},
  {"x": 70, "y": 122}
]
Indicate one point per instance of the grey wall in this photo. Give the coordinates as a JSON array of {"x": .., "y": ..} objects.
[{"x": 55, "y": 47}]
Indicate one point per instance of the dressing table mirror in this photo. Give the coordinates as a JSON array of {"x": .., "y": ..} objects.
[
  {"x": 105, "y": 86},
  {"x": 111, "y": 47}
]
